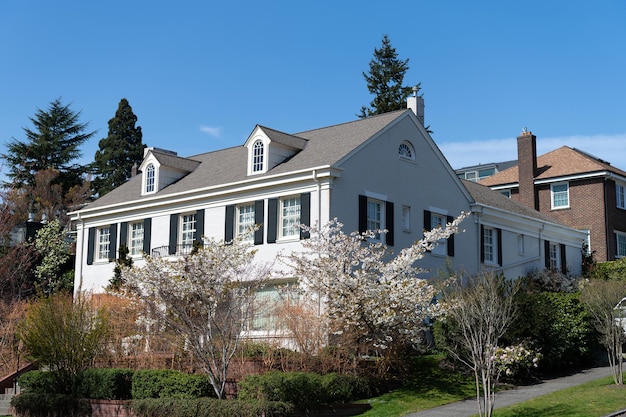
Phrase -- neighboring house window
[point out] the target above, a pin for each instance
(619, 194)
(258, 155)
(485, 173)
(104, 243)
(560, 195)
(406, 218)
(621, 244)
(187, 229)
(506, 193)
(150, 178)
(289, 217)
(136, 239)
(405, 150)
(245, 221)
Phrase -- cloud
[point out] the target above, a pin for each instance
(610, 148)
(211, 131)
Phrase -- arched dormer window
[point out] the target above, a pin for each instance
(258, 154)
(405, 151)
(150, 178)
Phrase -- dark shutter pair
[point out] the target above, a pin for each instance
(389, 219)
(562, 252)
(229, 229)
(91, 243)
(147, 233)
(498, 244)
(272, 217)
(428, 226)
(197, 237)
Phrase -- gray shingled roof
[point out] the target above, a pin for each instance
(322, 147)
(488, 197)
(175, 161)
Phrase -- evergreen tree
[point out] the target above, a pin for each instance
(118, 152)
(53, 144)
(385, 79)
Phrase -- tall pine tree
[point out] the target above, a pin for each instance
(385, 79)
(54, 143)
(118, 152)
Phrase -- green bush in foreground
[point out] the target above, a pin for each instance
(34, 404)
(106, 383)
(162, 383)
(43, 382)
(208, 407)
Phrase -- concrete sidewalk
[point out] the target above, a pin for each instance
(516, 395)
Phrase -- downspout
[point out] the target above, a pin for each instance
(79, 270)
(319, 198)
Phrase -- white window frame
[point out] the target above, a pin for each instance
(258, 156)
(406, 151)
(289, 217)
(556, 194)
(438, 219)
(490, 247)
(471, 176)
(187, 229)
(375, 215)
(245, 221)
(553, 256)
(103, 243)
(520, 245)
(150, 176)
(406, 218)
(620, 236)
(135, 239)
(620, 195)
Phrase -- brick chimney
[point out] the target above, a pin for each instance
(527, 168)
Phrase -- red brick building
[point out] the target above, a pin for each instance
(574, 187)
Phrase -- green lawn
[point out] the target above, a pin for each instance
(429, 386)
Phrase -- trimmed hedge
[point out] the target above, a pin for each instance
(208, 407)
(303, 389)
(106, 383)
(161, 383)
(35, 404)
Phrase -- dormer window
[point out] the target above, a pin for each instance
(258, 154)
(405, 151)
(150, 178)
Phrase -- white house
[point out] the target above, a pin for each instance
(380, 172)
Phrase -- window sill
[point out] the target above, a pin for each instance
(560, 208)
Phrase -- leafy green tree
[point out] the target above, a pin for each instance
(384, 80)
(118, 152)
(53, 144)
(64, 335)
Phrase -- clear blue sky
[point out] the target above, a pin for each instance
(201, 74)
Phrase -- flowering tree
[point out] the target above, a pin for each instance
(481, 310)
(54, 251)
(205, 297)
(362, 290)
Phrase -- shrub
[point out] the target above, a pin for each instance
(106, 383)
(38, 381)
(159, 383)
(208, 407)
(35, 404)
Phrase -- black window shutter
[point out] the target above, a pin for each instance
(199, 226)
(147, 235)
(305, 214)
(450, 219)
(546, 250)
(229, 227)
(91, 243)
(124, 234)
(113, 242)
(427, 221)
(173, 233)
(499, 237)
(389, 237)
(259, 208)
(563, 260)
(272, 220)
(362, 213)
(482, 244)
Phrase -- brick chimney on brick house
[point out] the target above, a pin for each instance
(527, 168)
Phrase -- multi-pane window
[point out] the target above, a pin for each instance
(245, 221)
(258, 151)
(187, 229)
(621, 244)
(619, 195)
(290, 217)
(406, 218)
(489, 245)
(554, 256)
(374, 216)
(560, 195)
(405, 151)
(438, 221)
(104, 243)
(136, 239)
(150, 178)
